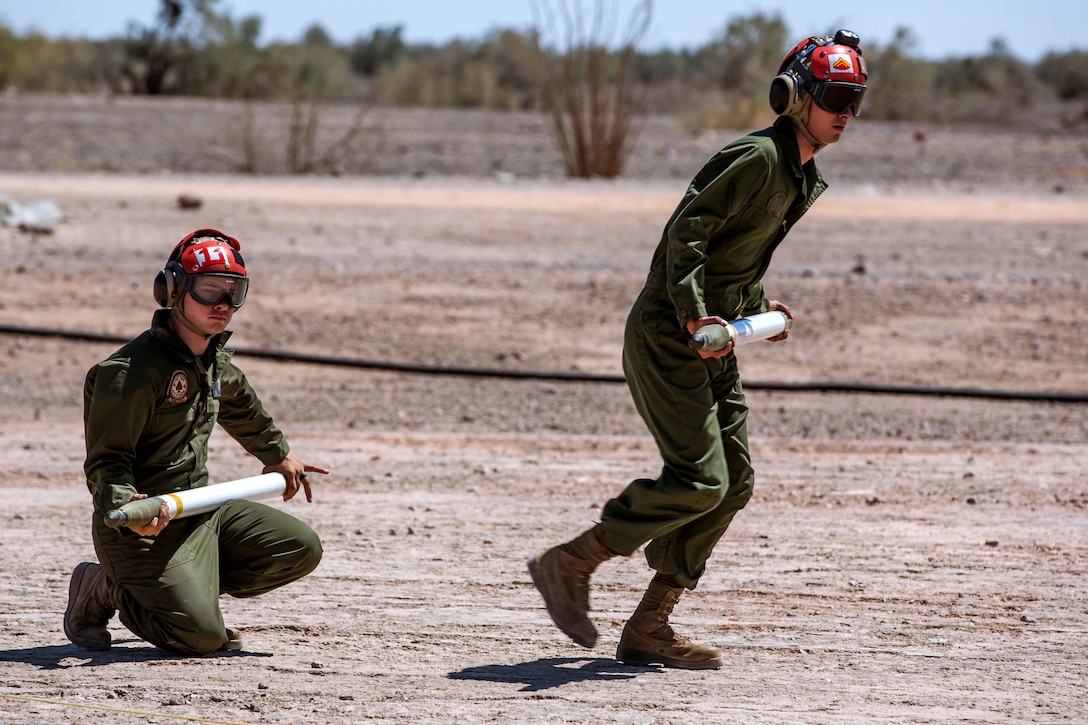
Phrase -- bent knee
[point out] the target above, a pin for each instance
(202, 642)
(308, 555)
(299, 561)
(741, 493)
(188, 642)
(732, 495)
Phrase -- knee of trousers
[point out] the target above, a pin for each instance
(202, 642)
(296, 562)
(702, 499)
(732, 496)
(192, 633)
(169, 636)
(308, 555)
(729, 501)
(739, 494)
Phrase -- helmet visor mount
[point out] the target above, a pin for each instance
(211, 289)
(837, 97)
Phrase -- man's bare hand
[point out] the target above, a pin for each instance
(784, 308)
(694, 325)
(296, 474)
(156, 524)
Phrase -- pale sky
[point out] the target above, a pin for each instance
(943, 28)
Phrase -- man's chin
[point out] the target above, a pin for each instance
(214, 328)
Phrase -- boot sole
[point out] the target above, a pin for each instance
(647, 659)
(73, 590)
(234, 641)
(542, 587)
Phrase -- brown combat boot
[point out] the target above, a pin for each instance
(234, 640)
(561, 574)
(90, 606)
(648, 639)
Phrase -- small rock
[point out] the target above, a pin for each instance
(36, 228)
(189, 201)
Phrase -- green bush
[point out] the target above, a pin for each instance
(1066, 73)
(53, 66)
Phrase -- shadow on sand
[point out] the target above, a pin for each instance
(56, 657)
(544, 674)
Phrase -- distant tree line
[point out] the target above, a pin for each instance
(193, 49)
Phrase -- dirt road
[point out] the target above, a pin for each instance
(906, 559)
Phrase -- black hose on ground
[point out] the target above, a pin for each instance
(866, 388)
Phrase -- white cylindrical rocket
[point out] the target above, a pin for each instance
(196, 500)
(747, 329)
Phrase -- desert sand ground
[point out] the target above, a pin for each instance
(906, 558)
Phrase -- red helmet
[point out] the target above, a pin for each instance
(830, 70)
(209, 266)
(211, 256)
(182, 251)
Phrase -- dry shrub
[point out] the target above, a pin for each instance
(591, 92)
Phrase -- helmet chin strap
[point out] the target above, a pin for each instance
(800, 120)
(179, 314)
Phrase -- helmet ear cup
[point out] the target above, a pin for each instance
(785, 94)
(166, 285)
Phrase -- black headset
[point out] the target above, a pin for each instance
(166, 288)
(785, 94)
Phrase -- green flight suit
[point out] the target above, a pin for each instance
(149, 410)
(711, 259)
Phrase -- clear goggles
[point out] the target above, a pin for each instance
(836, 97)
(210, 289)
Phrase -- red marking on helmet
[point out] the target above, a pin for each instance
(842, 63)
(211, 256)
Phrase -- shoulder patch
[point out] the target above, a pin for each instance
(776, 203)
(178, 391)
